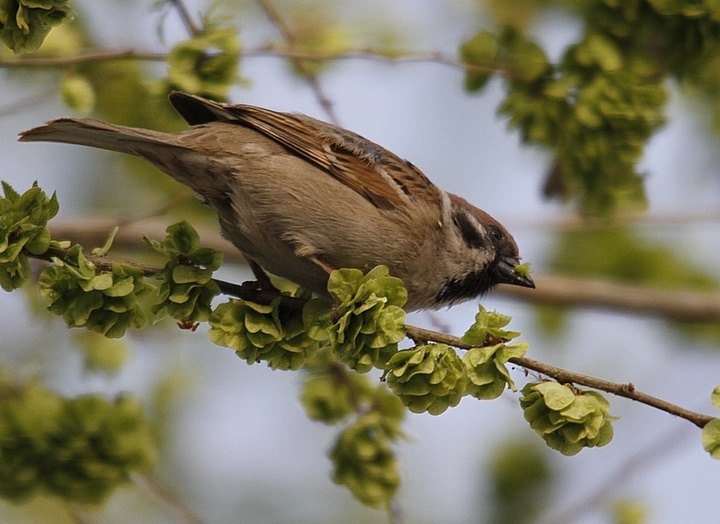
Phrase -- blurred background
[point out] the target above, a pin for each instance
(236, 443)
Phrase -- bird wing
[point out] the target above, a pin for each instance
(383, 178)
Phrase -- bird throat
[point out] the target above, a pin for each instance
(470, 286)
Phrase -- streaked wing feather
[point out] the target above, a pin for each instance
(380, 176)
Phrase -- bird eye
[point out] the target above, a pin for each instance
(496, 234)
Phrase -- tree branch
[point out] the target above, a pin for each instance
(187, 20)
(152, 485)
(83, 58)
(563, 290)
(559, 290)
(570, 377)
(249, 291)
(367, 54)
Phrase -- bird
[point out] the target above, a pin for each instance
(300, 198)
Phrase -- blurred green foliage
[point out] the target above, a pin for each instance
(205, 65)
(597, 107)
(364, 460)
(78, 448)
(624, 255)
(520, 481)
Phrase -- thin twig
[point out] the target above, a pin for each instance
(247, 291)
(595, 498)
(366, 54)
(565, 376)
(33, 100)
(83, 58)
(187, 20)
(580, 223)
(151, 484)
(163, 209)
(302, 65)
(378, 55)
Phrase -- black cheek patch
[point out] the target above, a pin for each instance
(469, 232)
(467, 287)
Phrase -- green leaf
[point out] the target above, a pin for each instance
(557, 396)
(102, 251)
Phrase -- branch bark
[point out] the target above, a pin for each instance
(558, 290)
(249, 291)
(269, 50)
(565, 376)
(563, 290)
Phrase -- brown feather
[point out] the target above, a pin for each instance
(380, 176)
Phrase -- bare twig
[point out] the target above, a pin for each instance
(595, 498)
(376, 55)
(84, 58)
(367, 54)
(691, 306)
(33, 100)
(187, 20)
(151, 484)
(302, 65)
(570, 377)
(579, 223)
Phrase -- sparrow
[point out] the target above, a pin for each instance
(300, 197)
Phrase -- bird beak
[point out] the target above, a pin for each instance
(505, 271)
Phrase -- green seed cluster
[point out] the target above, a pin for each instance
(364, 461)
(594, 111)
(267, 333)
(187, 288)
(366, 322)
(487, 376)
(433, 378)
(103, 302)
(23, 229)
(711, 431)
(567, 419)
(428, 378)
(80, 449)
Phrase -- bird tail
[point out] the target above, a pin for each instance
(94, 133)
